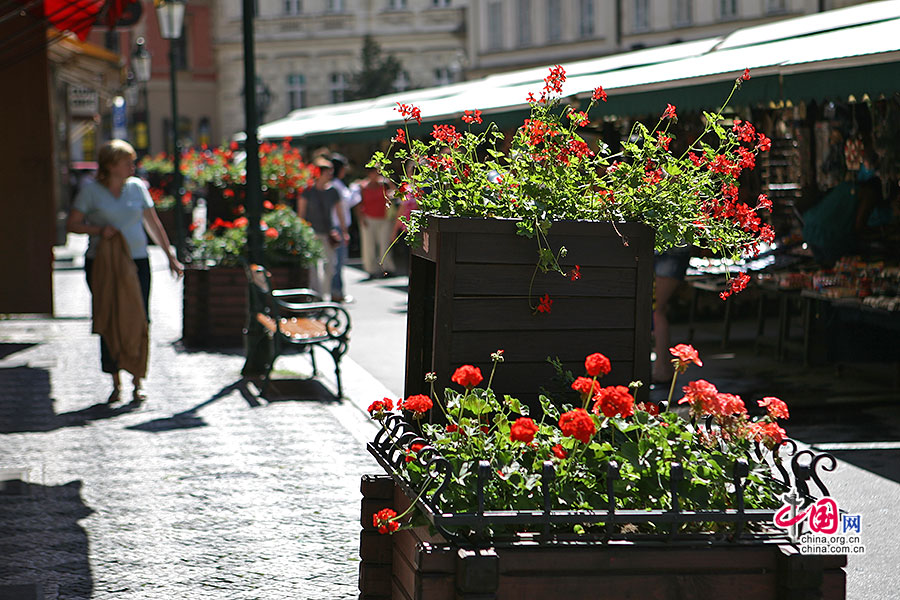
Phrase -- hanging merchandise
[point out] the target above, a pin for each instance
(853, 153)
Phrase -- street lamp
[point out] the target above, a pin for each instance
(140, 66)
(170, 15)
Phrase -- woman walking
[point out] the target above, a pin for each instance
(115, 210)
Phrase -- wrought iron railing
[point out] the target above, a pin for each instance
(397, 434)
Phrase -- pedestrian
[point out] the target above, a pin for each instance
(117, 212)
(349, 199)
(374, 215)
(315, 205)
(670, 268)
(408, 203)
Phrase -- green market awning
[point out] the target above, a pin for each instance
(827, 55)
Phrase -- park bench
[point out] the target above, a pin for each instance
(295, 319)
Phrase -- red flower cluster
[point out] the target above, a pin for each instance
(663, 140)
(614, 400)
(651, 408)
(776, 408)
(685, 354)
(585, 386)
(545, 305)
(669, 113)
(467, 376)
(400, 138)
(579, 117)
(738, 284)
(419, 404)
(575, 274)
(599, 94)
(384, 521)
(380, 406)
(702, 396)
(523, 430)
(768, 434)
(597, 365)
(472, 116)
(446, 134)
(578, 424)
(408, 111)
(554, 80)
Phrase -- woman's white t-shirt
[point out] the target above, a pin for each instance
(125, 213)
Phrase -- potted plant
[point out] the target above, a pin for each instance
(221, 172)
(604, 492)
(215, 286)
(583, 210)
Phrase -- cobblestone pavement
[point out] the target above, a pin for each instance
(198, 493)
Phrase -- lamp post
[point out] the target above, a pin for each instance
(170, 14)
(140, 66)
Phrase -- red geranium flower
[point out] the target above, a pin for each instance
(776, 408)
(669, 113)
(731, 404)
(585, 386)
(614, 400)
(545, 304)
(575, 274)
(578, 424)
(651, 408)
(599, 94)
(746, 75)
(768, 434)
(523, 430)
(272, 233)
(418, 404)
(413, 450)
(467, 376)
(702, 396)
(559, 451)
(597, 365)
(408, 111)
(472, 116)
(400, 138)
(685, 354)
(384, 521)
(380, 406)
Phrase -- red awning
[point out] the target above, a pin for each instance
(77, 16)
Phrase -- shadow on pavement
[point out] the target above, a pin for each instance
(9, 348)
(43, 548)
(189, 419)
(26, 404)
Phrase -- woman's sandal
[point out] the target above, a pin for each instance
(138, 396)
(113, 396)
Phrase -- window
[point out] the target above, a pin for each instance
(494, 26)
(296, 91)
(335, 6)
(293, 7)
(728, 9)
(524, 23)
(775, 6)
(402, 82)
(338, 87)
(641, 15)
(586, 18)
(440, 3)
(684, 12)
(554, 24)
(396, 4)
(442, 76)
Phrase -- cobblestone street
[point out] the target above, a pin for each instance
(200, 492)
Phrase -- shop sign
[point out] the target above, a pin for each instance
(83, 102)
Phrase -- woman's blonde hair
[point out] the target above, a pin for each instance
(110, 153)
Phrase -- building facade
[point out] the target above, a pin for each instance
(513, 34)
(308, 50)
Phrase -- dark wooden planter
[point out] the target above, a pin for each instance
(215, 303)
(469, 296)
(167, 218)
(411, 565)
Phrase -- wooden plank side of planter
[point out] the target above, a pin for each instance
(504, 280)
(638, 586)
(584, 250)
(469, 346)
(495, 314)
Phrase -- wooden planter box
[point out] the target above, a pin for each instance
(411, 565)
(215, 303)
(469, 296)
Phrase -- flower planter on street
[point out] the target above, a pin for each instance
(470, 293)
(215, 303)
(411, 564)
